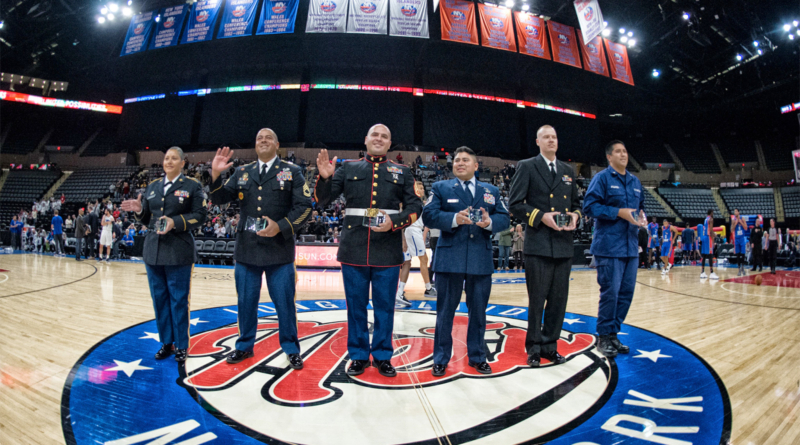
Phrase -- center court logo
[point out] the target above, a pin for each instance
(117, 391)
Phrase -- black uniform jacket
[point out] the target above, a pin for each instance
(535, 192)
(283, 196)
(372, 182)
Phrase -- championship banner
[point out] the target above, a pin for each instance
(594, 56)
(458, 21)
(531, 35)
(237, 20)
(590, 18)
(327, 16)
(139, 32)
(169, 28)
(496, 27)
(201, 21)
(368, 17)
(618, 62)
(565, 48)
(408, 18)
(278, 17)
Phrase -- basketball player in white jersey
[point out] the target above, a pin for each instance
(414, 246)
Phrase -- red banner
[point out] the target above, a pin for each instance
(619, 63)
(594, 56)
(531, 35)
(564, 44)
(458, 21)
(496, 27)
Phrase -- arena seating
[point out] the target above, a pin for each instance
(648, 151)
(791, 201)
(23, 139)
(737, 150)
(751, 201)
(103, 144)
(90, 184)
(21, 189)
(778, 152)
(696, 155)
(654, 208)
(690, 203)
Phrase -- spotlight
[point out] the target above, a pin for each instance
(795, 23)
(798, 32)
(126, 11)
(525, 7)
(686, 16)
(787, 27)
(605, 24)
(606, 32)
(656, 73)
(510, 4)
(158, 18)
(2, 24)
(631, 43)
(759, 52)
(101, 20)
(110, 17)
(630, 33)
(113, 7)
(755, 43)
(624, 39)
(104, 10)
(739, 57)
(791, 36)
(622, 30)
(130, 2)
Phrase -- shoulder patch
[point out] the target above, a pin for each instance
(306, 190)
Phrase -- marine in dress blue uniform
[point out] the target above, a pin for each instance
(465, 257)
(169, 256)
(612, 196)
(370, 254)
(275, 190)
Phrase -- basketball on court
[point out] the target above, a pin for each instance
(758, 280)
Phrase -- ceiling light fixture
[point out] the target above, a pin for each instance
(624, 39)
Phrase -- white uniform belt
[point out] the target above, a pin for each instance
(363, 212)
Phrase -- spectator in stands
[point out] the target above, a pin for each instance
(63, 199)
(399, 158)
(69, 223)
(449, 162)
(774, 236)
(112, 189)
(143, 230)
(505, 242)
(518, 247)
(39, 240)
(756, 246)
(56, 227)
(55, 204)
(219, 230)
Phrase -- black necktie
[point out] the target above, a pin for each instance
(553, 170)
(263, 172)
(468, 189)
(167, 186)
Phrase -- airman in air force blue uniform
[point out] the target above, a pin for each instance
(612, 197)
(464, 258)
(272, 190)
(169, 255)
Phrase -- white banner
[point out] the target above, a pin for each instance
(367, 17)
(590, 18)
(408, 18)
(327, 16)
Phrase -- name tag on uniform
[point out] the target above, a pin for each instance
(488, 198)
(452, 200)
(614, 186)
(566, 179)
(285, 176)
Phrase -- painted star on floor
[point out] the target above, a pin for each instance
(571, 321)
(151, 335)
(652, 355)
(194, 321)
(128, 367)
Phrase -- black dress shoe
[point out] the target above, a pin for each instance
(554, 357)
(164, 352)
(534, 360)
(180, 355)
(438, 370)
(357, 367)
(295, 361)
(622, 349)
(385, 367)
(606, 347)
(238, 356)
(481, 367)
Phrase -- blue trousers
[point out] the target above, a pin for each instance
(170, 287)
(281, 279)
(617, 279)
(449, 287)
(357, 281)
(502, 260)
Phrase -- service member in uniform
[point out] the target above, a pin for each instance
(370, 244)
(275, 193)
(543, 189)
(465, 256)
(169, 254)
(615, 199)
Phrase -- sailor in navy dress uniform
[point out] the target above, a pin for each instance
(273, 190)
(371, 186)
(465, 259)
(613, 196)
(169, 255)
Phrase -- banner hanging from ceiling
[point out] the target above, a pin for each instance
(327, 16)
(168, 29)
(408, 18)
(278, 17)
(139, 32)
(496, 28)
(237, 19)
(201, 21)
(618, 62)
(590, 19)
(531, 35)
(562, 41)
(368, 17)
(458, 21)
(594, 56)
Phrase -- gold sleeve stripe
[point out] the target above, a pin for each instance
(302, 217)
(533, 217)
(579, 213)
(184, 222)
(290, 225)
(226, 183)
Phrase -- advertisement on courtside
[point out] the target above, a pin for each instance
(168, 29)
(590, 19)
(408, 18)
(458, 21)
(368, 17)
(327, 16)
(237, 19)
(278, 17)
(201, 21)
(619, 63)
(594, 56)
(565, 47)
(139, 32)
(531, 35)
(496, 27)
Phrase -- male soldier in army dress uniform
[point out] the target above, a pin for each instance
(275, 201)
(371, 244)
